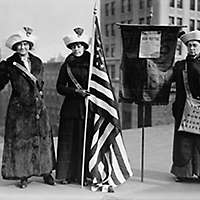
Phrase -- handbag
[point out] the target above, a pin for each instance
(190, 121)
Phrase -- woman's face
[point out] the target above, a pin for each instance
(23, 48)
(77, 49)
(193, 48)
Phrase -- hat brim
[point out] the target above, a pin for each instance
(191, 36)
(83, 43)
(14, 46)
(19, 37)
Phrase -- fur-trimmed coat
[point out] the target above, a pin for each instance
(28, 143)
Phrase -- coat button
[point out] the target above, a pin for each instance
(41, 93)
(37, 116)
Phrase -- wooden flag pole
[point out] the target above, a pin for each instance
(87, 101)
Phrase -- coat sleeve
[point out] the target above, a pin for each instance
(4, 75)
(62, 83)
(175, 105)
(40, 78)
(175, 68)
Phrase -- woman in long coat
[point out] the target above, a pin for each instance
(28, 144)
(72, 114)
(186, 148)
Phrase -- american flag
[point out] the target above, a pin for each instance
(108, 164)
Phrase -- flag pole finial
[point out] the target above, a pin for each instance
(95, 8)
(95, 11)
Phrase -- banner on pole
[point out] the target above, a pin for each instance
(147, 59)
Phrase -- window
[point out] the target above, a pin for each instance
(113, 29)
(179, 21)
(141, 4)
(112, 71)
(129, 5)
(149, 20)
(122, 5)
(171, 20)
(149, 3)
(126, 119)
(107, 9)
(192, 4)
(106, 50)
(179, 3)
(192, 24)
(130, 21)
(113, 8)
(198, 5)
(141, 20)
(112, 50)
(171, 3)
(198, 25)
(107, 30)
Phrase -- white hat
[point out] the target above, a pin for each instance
(193, 35)
(76, 36)
(24, 35)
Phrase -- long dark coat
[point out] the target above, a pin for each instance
(186, 148)
(28, 144)
(72, 118)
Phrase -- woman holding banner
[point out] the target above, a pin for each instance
(28, 143)
(186, 149)
(72, 84)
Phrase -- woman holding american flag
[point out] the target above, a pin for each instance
(72, 84)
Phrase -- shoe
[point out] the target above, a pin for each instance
(111, 189)
(85, 183)
(48, 179)
(183, 179)
(106, 188)
(65, 182)
(23, 183)
(178, 179)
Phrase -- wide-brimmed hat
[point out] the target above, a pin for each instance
(77, 36)
(193, 35)
(20, 36)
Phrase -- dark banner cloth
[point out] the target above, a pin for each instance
(147, 80)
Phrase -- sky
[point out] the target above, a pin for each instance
(50, 20)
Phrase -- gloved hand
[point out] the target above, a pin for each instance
(83, 93)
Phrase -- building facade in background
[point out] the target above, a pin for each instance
(158, 12)
(155, 12)
(53, 100)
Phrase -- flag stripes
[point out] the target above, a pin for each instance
(108, 163)
(101, 95)
(97, 108)
(102, 82)
(104, 105)
(103, 133)
(116, 167)
(98, 122)
(100, 73)
(102, 89)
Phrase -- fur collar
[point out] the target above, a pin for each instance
(35, 62)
